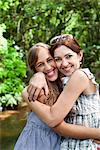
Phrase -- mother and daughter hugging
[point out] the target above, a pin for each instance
(63, 99)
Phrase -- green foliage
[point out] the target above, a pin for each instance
(9, 100)
(12, 71)
(32, 21)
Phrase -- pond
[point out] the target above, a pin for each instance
(11, 124)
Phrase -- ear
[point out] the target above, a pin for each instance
(80, 55)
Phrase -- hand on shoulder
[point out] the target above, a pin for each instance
(36, 84)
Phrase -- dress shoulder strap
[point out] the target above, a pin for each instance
(89, 75)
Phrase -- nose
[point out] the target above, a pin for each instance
(64, 63)
(47, 66)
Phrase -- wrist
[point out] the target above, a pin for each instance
(36, 76)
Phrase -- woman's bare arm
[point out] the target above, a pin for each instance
(71, 130)
(55, 114)
(77, 131)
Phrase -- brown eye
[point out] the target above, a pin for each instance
(39, 65)
(50, 60)
(68, 56)
(58, 59)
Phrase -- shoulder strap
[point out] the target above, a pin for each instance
(89, 75)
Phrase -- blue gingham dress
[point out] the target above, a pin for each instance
(36, 135)
(86, 111)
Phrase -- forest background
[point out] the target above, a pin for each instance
(26, 22)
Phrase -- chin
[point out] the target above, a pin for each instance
(52, 78)
(67, 74)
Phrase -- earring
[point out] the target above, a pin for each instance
(80, 62)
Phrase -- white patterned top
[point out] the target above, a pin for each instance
(86, 111)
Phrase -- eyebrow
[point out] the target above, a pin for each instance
(38, 63)
(50, 57)
(67, 54)
(64, 55)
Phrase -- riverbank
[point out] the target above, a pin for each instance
(11, 124)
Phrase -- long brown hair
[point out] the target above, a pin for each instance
(33, 57)
(67, 40)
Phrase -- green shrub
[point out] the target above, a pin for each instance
(12, 72)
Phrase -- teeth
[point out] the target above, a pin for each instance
(50, 73)
(67, 69)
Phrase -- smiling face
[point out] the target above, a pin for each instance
(67, 60)
(46, 64)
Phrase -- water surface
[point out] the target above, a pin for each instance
(11, 124)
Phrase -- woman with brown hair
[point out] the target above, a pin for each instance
(78, 100)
